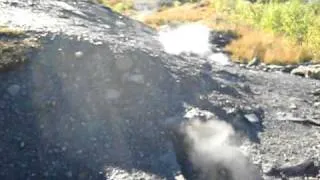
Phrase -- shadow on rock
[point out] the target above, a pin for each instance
(222, 38)
(196, 89)
(81, 109)
(307, 168)
(202, 164)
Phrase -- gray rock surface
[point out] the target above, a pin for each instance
(310, 71)
(94, 97)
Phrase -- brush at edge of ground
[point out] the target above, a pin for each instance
(270, 47)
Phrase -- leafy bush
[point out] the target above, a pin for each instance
(313, 39)
(123, 6)
(118, 5)
(295, 19)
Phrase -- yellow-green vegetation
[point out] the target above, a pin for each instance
(276, 31)
(296, 20)
(14, 48)
(185, 13)
(10, 31)
(122, 6)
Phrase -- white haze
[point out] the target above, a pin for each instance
(191, 38)
(188, 38)
(213, 149)
(219, 58)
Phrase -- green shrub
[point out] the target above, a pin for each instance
(296, 19)
(123, 6)
(118, 5)
(223, 5)
(313, 39)
(271, 17)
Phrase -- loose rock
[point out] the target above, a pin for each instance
(14, 89)
(254, 62)
(310, 71)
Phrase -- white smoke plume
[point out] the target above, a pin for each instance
(213, 150)
(191, 38)
(214, 154)
(188, 38)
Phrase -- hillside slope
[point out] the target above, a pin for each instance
(92, 101)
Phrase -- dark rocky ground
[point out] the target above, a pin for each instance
(91, 102)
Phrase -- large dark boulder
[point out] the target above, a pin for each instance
(89, 98)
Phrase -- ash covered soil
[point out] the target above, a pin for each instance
(91, 101)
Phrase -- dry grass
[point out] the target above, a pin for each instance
(10, 31)
(122, 6)
(185, 13)
(270, 48)
(14, 47)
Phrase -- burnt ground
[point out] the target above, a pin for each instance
(89, 104)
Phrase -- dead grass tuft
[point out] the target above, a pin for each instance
(184, 13)
(14, 51)
(270, 48)
(5, 31)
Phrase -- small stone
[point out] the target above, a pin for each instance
(316, 92)
(124, 64)
(141, 154)
(78, 54)
(79, 151)
(112, 94)
(293, 106)
(252, 118)
(179, 177)
(2, 104)
(69, 174)
(288, 68)
(64, 148)
(98, 43)
(254, 62)
(13, 89)
(275, 67)
(120, 24)
(137, 78)
(22, 144)
(281, 114)
(312, 71)
(316, 104)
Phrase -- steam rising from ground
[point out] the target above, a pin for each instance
(214, 154)
(189, 38)
(212, 151)
(193, 38)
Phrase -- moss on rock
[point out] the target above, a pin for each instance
(15, 47)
